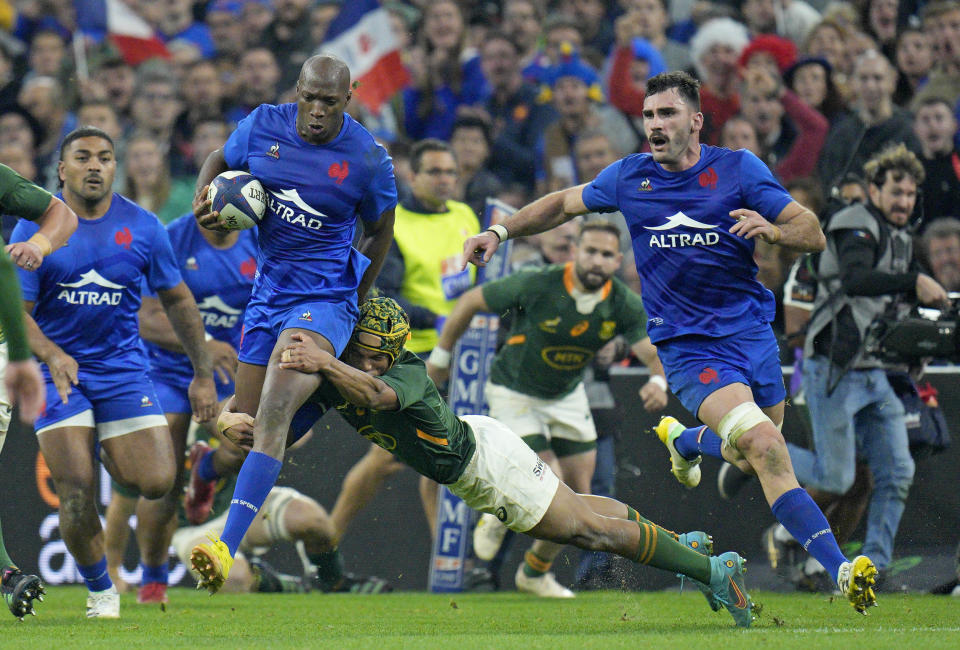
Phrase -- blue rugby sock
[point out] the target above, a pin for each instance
(95, 575)
(254, 482)
(150, 574)
(205, 468)
(698, 440)
(803, 519)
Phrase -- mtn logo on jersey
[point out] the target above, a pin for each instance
(300, 214)
(73, 295)
(217, 313)
(679, 240)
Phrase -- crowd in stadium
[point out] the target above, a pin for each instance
(514, 99)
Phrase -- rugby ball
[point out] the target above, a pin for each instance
(239, 198)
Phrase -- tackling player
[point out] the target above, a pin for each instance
(561, 316)
(322, 171)
(383, 391)
(82, 323)
(22, 384)
(693, 211)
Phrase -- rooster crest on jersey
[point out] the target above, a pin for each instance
(383, 326)
(239, 198)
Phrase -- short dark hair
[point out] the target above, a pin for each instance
(84, 132)
(686, 85)
(423, 146)
(931, 100)
(599, 225)
(473, 122)
(499, 35)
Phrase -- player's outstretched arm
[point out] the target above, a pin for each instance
(374, 244)
(57, 223)
(654, 392)
(543, 214)
(356, 386)
(471, 302)
(181, 309)
(796, 228)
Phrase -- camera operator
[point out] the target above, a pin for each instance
(868, 266)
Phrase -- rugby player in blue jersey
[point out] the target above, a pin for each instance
(323, 172)
(218, 268)
(81, 321)
(693, 212)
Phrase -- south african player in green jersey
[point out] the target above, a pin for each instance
(384, 392)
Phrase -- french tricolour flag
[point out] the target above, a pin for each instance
(361, 36)
(114, 20)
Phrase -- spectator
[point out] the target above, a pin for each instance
(940, 247)
(20, 128)
(471, 145)
(9, 77)
(557, 29)
(227, 29)
(791, 133)
(795, 20)
(941, 23)
(175, 23)
(156, 104)
(518, 118)
(202, 98)
(914, 59)
(258, 77)
(595, 27)
(322, 14)
(935, 126)
(257, 17)
(740, 133)
(811, 79)
(208, 134)
(874, 123)
(648, 20)
(118, 78)
(289, 33)
(48, 54)
(715, 49)
(578, 100)
(148, 181)
(826, 41)
(449, 78)
(880, 23)
(521, 23)
(770, 52)
(42, 97)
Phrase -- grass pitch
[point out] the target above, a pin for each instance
(502, 620)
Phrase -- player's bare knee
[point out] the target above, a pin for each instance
(76, 502)
(156, 483)
(305, 520)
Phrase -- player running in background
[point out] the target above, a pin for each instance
(82, 323)
(20, 381)
(693, 211)
(382, 390)
(322, 171)
(218, 268)
(561, 316)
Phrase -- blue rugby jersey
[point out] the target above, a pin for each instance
(87, 293)
(697, 277)
(220, 280)
(314, 195)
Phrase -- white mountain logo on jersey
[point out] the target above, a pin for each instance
(680, 220)
(680, 240)
(290, 215)
(73, 296)
(217, 313)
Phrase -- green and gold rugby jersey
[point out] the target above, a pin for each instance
(550, 342)
(424, 433)
(19, 197)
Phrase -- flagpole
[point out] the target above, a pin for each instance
(80, 56)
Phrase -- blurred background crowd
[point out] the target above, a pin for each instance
(533, 95)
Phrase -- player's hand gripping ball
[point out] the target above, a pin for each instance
(239, 198)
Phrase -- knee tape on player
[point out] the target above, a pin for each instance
(739, 420)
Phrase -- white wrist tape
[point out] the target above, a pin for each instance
(658, 380)
(500, 232)
(439, 357)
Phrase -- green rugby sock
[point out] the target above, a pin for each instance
(329, 567)
(535, 566)
(4, 558)
(659, 548)
(633, 515)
